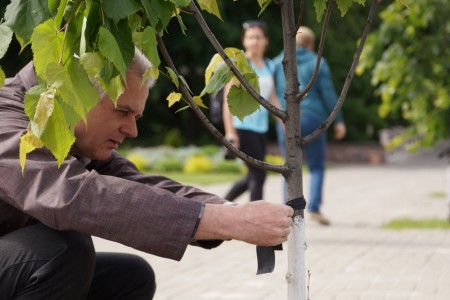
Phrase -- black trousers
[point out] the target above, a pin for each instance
(37, 262)
(253, 144)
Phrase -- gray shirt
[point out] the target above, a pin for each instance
(109, 199)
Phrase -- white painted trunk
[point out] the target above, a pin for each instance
(296, 276)
(448, 189)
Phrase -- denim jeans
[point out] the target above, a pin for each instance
(315, 159)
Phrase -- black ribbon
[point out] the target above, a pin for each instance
(266, 255)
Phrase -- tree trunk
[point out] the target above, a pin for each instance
(294, 180)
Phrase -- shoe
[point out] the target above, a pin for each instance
(318, 217)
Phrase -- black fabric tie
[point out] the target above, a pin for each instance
(266, 255)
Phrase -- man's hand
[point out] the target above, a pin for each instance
(257, 222)
(339, 131)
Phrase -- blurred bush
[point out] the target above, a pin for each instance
(228, 166)
(198, 164)
(274, 159)
(167, 165)
(140, 161)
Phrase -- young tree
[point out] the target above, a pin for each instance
(77, 42)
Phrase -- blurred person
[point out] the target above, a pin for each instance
(250, 134)
(315, 108)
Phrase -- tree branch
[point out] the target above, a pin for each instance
(300, 15)
(283, 169)
(323, 34)
(348, 80)
(281, 114)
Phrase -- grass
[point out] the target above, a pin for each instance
(438, 195)
(202, 178)
(407, 223)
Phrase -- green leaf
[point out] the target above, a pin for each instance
(108, 46)
(320, 6)
(210, 6)
(110, 81)
(344, 5)
(124, 38)
(31, 100)
(173, 98)
(263, 4)
(57, 136)
(159, 13)
(146, 42)
(185, 83)
(44, 110)
(60, 14)
(90, 26)
(182, 26)
(5, 39)
(211, 67)
(46, 44)
(181, 3)
(74, 86)
(182, 109)
(173, 77)
(118, 10)
(241, 103)
(22, 16)
(53, 6)
(2, 77)
(92, 63)
(28, 142)
(199, 101)
(221, 76)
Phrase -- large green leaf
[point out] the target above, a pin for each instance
(241, 103)
(91, 25)
(74, 86)
(210, 6)
(92, 63)
(46, 45)
(5, 38)
(221, 76)
(124, 38)
(57, 136)
(60, 12)
(108, 46)
(118, 10)
(159, 13)
(22, 16)
(146, 42)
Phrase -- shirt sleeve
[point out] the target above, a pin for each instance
(152, 214)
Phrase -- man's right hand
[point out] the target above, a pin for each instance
(259, 222)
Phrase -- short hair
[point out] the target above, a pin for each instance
(305, 37)
(139, 65)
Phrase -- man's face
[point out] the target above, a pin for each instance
(108, 125)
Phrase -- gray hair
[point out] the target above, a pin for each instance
(139, 66)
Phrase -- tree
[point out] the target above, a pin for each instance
(76, 42)
(409, 61)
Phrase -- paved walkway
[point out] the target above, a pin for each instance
(352, 259)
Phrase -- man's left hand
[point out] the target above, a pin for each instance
(339, 131)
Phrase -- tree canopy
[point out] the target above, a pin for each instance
(409, 61)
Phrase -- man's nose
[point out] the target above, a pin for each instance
(129, 128)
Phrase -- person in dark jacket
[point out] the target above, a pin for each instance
(315, 108)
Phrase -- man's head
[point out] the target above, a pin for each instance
(108, 125)
(305, 38)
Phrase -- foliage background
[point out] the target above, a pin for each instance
(192, 53)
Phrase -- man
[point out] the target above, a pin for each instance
(47, 215)
(315, 108)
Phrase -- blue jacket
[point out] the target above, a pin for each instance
(322, 97)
